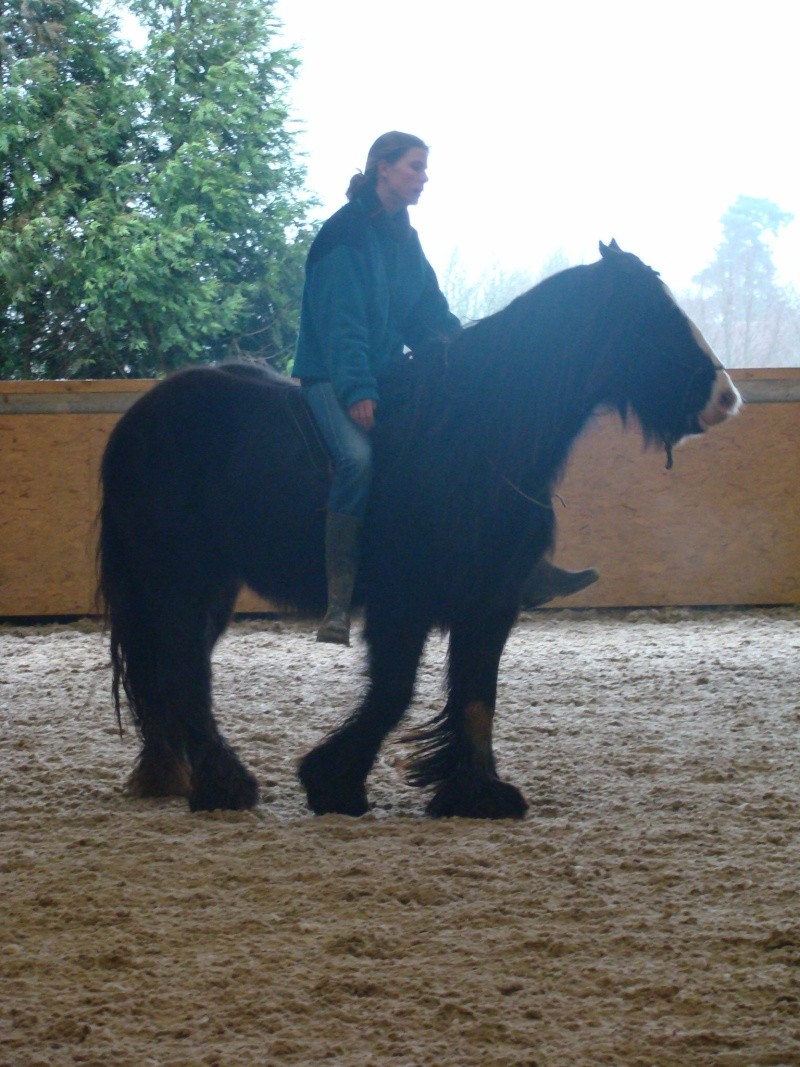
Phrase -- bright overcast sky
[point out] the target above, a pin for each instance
(556, 124)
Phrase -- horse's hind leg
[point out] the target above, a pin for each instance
(175, 718)
(456, 755)
(161, 768)
(218, 777)
(334, 774)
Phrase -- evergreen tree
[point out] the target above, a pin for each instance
(66, 124)
(188, 241)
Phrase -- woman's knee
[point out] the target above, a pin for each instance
(351, 482)
(355, 469)
(358, 460)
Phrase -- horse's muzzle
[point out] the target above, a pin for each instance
(725, 401)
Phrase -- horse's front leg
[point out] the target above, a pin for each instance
(334, 774)
(456, 754)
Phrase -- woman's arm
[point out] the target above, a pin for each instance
(430, 320)
(337, 301)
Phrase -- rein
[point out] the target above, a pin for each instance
(531, 499)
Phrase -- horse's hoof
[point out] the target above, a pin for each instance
(322, 802)
(230, 788)
(336, 798)
(218, 798)
(331, 794)
(477, 799)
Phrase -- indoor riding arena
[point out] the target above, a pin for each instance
(645, 913)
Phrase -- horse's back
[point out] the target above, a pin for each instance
(212, 473)
(196, 423)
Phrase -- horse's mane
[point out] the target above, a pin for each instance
(530, 375)
(554, 318)
(523, 378)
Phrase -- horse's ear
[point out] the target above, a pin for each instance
(609, 248)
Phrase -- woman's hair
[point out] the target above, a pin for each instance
(389, 148)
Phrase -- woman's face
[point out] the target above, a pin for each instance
(399, 184)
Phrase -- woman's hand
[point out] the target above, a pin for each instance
(363, 414)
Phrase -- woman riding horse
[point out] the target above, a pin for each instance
(370, 295)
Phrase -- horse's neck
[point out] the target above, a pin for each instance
(527, 440)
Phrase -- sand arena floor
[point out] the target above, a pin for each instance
(647, 912)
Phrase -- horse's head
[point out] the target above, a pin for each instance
(675, 383)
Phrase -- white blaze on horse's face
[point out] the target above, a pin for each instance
(725, 399)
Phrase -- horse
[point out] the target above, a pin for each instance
(214, 479)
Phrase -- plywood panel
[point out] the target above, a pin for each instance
(722, 527)
(47, 507)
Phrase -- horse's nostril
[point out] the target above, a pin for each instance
(727, 400)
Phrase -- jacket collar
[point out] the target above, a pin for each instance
(398, 224)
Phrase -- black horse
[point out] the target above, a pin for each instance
(213, 479)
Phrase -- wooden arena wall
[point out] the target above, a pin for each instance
(722, 527)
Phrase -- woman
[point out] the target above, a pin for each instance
(370, 294)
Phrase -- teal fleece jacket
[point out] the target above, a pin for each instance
(369, 292)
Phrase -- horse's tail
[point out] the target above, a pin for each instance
(116, 595)
(112, 597)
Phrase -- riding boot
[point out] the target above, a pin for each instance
(342, 551)
(546, 581)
